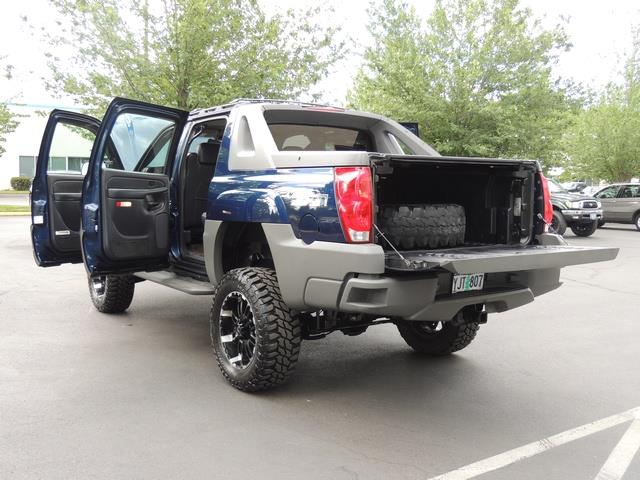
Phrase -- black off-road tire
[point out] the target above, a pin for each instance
(112, 293)
(277, 333)
(584, 229)
(437, 338)
(558, 223)
(424, 226)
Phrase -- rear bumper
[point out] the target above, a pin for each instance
(353, 278)
(428, 298)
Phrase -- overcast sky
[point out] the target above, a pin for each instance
(600, 31)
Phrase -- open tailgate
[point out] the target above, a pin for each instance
(497, 258)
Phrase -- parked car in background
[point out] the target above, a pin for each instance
(591, 190)
(578, 212)
(574, 187)
(620, 203)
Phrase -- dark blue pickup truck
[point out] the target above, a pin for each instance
(299, 220)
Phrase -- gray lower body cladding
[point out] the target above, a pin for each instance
(354, 278)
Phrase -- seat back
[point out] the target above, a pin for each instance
(199, 171)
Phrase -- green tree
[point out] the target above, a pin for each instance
(477, 77)
(8, 124)
(604, 143)
(186, 53)
(8, 120)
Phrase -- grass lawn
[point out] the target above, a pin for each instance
(15, 209)
(15, 192)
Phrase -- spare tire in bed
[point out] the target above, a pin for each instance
(423, 226)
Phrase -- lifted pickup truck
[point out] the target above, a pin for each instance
(299, 220)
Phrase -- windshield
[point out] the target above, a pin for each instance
(555, 187)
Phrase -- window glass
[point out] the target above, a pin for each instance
(57, 164)
(27, 166)
(609, 192)
(69, 142)
(630, 191)
(400, 145)
(139, 143)
(319, 138)
(74, 164)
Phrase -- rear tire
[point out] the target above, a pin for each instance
(584, 229)
(255, 339)
(636, 221)
(424, 226)
(112, 293)
(437, 338)
(558, 223)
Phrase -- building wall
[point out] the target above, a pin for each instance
(25, 142)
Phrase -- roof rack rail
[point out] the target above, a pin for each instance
(239, 101)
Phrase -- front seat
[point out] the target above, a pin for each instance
(199, 172)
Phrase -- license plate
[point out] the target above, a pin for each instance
(467, 282)
(594, 216)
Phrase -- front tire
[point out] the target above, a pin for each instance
(636, 221)
(558, 223)
(255, 339)
(584, 229)
(112, 293)
(437, 338)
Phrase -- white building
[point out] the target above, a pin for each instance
(69, 152)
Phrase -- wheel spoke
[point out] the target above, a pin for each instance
(237, 329)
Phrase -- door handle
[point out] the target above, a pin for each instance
(151, 203)
(134, 192)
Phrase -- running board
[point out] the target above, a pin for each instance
(178, 282)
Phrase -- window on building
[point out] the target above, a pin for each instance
(57, 164)
(27, 166)
(74, 164)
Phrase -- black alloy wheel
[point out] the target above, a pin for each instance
(237, 330)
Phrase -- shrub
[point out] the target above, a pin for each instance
(20, 183)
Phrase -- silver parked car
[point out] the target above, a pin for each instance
(620, 203)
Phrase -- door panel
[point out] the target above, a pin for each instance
(138, 208)
(57, 187)
(125, 201)
(64, 211)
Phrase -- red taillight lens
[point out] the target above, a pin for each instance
(354, 196)
(546, 195)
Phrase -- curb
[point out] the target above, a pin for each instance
(15, 214)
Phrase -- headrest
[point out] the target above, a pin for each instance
(208, 153)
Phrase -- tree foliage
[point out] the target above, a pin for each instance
(477, 76)
(8, 124)
(187, 53)
(8, 120)
(604, 143)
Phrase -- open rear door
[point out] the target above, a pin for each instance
(125, 200)
(57, 187)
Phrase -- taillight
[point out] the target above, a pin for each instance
(547, 213)
(354, 196)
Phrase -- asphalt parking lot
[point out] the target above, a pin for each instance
(86, 395)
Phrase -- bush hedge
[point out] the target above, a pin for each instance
(20, 183)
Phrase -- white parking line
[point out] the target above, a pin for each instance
(627, 444)
(622, 455)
